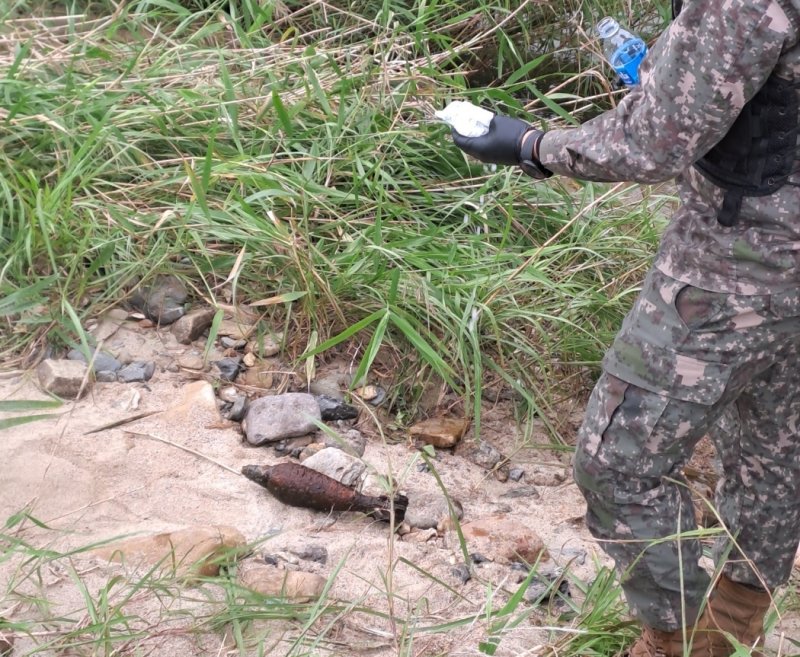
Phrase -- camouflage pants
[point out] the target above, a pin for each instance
(688, 362)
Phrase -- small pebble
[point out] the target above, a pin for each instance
(290, 445)
(542, 589)
(232, 343)
(516, 474)
(335, 409)
(477, 557)
(309, 451)
(136, 372)
(238, 409)
(229, 394)
(375, 395)
(192, 361)
(501, 473)
(228, 368)
(461, 573)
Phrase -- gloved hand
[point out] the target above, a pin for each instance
(503, 144)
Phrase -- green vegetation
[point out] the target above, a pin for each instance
(123, 611)
(286, 151)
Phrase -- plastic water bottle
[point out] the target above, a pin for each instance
(623, 49)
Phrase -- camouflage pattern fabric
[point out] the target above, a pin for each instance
(711, 345)
(686, 362)
(696, 78)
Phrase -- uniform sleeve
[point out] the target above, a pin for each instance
(694, 82)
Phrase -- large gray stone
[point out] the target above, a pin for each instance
(273, 418)
(162, 300)
(336, 464)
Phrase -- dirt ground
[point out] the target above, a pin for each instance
(164, 472)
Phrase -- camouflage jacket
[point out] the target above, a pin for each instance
(694, 81)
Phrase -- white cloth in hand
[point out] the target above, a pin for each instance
(466, 119)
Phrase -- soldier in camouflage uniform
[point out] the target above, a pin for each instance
(714, 332)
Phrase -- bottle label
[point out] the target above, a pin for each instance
(626, 60)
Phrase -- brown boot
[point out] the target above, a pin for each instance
(738, 610)
(656, 643)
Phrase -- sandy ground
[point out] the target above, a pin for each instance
(90, 487)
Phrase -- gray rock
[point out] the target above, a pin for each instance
(237, 410)
(62, 378)
(483, 454)
(335, 409)
(461, 573)
(161, 301)
(102, 362)
(351, 441)
(136, 372)
(522, 491)
(232, 343)
(427, 510)
(337, 464)
(228, 368)
(192, 325)
(317, 553)
(543, 589)
(105, 377)
(516, 474)
(270, 419)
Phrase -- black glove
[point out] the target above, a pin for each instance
(503, 145)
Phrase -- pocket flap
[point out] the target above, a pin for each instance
(668, 373)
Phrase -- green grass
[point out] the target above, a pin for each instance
(262, 149)
(61, 602)
(286, 153)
